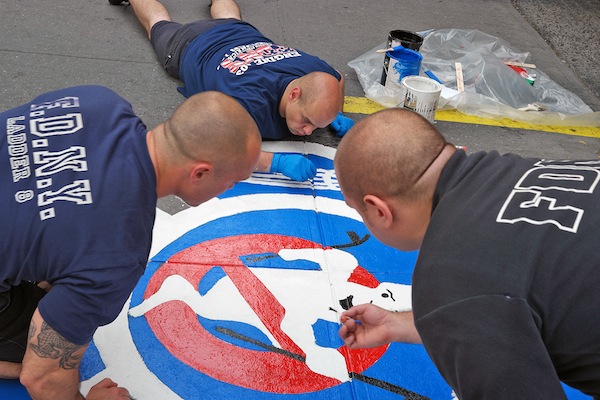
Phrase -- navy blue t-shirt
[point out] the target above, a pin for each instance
(77, 204)
(236, 59)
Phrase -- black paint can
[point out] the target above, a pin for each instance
(410, 40)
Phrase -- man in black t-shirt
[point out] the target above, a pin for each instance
(506, 284)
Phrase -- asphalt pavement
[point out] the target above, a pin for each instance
(572, 29)
(49, 45)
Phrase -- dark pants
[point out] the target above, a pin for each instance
(170, 39)
(17, 306)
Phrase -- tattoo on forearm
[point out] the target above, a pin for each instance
(50, 344)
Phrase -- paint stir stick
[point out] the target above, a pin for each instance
(460, 83)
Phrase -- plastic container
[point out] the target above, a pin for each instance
(421, 95)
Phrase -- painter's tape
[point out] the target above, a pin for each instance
(362, 105)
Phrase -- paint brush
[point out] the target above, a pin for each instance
(520, 64)
(384, 50)
(339, 316)
(432, 76)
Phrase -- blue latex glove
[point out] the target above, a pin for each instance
(295, 166)
(341, 124)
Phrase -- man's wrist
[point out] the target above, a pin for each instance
(403, 328)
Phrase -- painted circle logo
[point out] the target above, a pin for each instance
(279, 369)
(255, 310)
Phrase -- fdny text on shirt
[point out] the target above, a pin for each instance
(43, 165)
(542, 194)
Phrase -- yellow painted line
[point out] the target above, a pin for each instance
(362, 105)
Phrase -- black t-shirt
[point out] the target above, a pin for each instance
(506, 290)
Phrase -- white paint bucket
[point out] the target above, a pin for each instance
(420, 94)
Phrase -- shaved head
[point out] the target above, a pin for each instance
(207, 145)
(210, 126)
(386, 154)
(322, 88)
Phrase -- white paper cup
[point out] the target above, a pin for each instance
(420, 94)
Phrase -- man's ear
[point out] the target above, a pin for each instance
(379, 210)
(200, 170)
(295, 94)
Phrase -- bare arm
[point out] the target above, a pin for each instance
(264, 162)
(342, 89)
(51, 366)
(9, 370)
(367, 325)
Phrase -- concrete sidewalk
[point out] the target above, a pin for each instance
(50, 45)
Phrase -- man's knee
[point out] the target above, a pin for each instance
(225, 9)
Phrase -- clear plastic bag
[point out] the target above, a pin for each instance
(492, 89)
